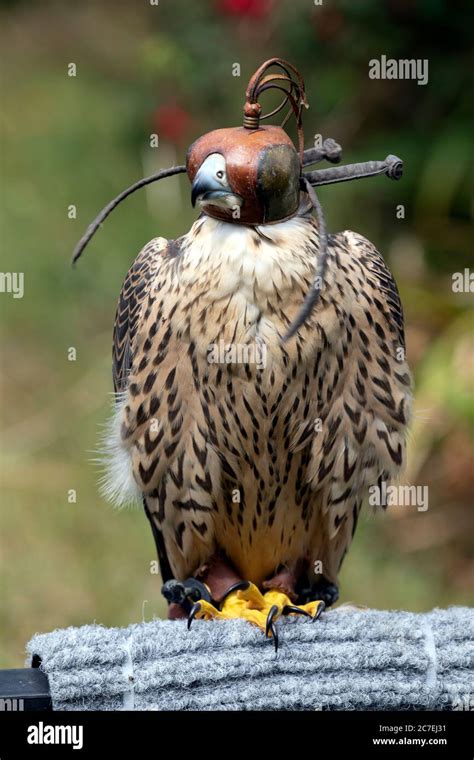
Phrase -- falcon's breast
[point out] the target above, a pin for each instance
(238, 442)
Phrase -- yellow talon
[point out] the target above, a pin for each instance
(206, 611)
(245, 604)
(259, 609)
(313, 608)
(286, 606)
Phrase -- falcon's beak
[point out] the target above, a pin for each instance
(205, 188)
(208, 188)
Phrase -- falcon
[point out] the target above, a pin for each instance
(261, 382)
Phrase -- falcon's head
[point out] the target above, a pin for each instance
(245, 176)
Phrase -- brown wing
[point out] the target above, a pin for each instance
(368, 392)
(133, 295)
(384, 283)
(134, 291)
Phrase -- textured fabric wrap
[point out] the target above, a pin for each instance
(348, 659)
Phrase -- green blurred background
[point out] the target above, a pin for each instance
(167, 69)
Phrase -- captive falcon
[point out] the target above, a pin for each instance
(252, 473)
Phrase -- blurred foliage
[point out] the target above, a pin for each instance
(80, 140)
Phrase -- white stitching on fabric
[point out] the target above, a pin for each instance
(129, 696)
(432, 670)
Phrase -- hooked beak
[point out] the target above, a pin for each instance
(206, 189)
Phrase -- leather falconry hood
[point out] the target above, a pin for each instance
(262, 164)
(265, 171)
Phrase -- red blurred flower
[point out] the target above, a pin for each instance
(250, 8)
(171, 122)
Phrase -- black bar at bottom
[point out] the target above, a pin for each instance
(24, 689)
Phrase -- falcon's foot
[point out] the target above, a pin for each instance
(285, 606)
(281, 604)
(244, 600)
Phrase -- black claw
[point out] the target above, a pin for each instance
(195, 590)
(270, 625)
(239, 586)
(194, 610)
(270, 618)
(320, 609)
(274, 635)
(297, 610)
